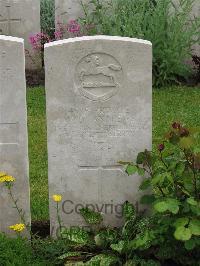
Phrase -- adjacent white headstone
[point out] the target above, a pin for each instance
(66, 10)
(13, 130)
(194, 14)
(99, 111)
(20, 18)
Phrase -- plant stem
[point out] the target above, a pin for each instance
(59, 219)
(20, 212)
(159, 187)
(162, 160)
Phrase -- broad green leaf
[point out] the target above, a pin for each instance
(158, 179)
(77, 235)
(192, 201)
(195, 227)
(173, 205)
(182, 233)
(140, 158)
(142, 240)
(141, 171)
(158, 167)
(196, 209)
(180, 168)
(147, 199)
(69, 255)
(145, 184)
(91, 217)
(190, 244)
(181, 222)
(119, 247)
(131, 169)
(161, 206)
(104, 259)
(169, 177)
(106, 237)
(172, 164)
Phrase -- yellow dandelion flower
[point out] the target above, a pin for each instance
(9, 178)
(17, 227)
(57, 198)
(2, 179)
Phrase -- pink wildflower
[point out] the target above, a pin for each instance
(58, 35)
(73, 26)
(38, 40)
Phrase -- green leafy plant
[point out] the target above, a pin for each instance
(48, 17)
(171, 231)
(109, 246)
(169, 27)
(174, 178)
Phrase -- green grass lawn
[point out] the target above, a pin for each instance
(171, 104)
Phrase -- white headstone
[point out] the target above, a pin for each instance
(20, 18)
(13, 130)
(66, 10)
(99, 111)
(195, 13)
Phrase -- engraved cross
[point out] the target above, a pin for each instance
(9, 20)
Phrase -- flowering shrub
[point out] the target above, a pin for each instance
(38, 40)
(174, 178)
(171, 231)
(169, 27)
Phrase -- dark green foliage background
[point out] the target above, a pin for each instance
(47, 17)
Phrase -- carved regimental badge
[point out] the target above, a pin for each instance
(98, 76)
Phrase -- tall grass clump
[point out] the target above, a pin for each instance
(47, 17)
(171, 29)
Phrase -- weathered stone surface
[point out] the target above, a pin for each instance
(66, 10)
(13, 130)
(21, 18)
(99, 111)
(194, 14)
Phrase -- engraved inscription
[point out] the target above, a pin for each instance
(6, 22)
(101, 168)
(98, 76)
(96, 135)
(9, 133)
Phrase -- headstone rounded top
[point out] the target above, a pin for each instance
(11, 39)
(97, 37)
